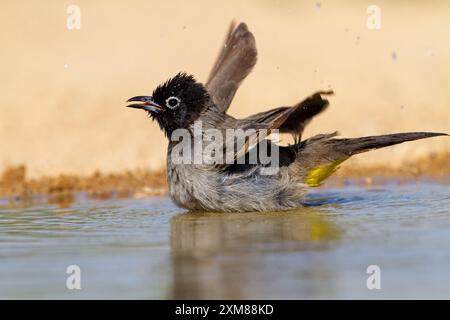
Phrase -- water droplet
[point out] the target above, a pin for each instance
(394, 56)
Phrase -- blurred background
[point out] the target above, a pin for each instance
(62, 101)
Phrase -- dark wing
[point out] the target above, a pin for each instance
(291, 120)
(234, 63)
(294, 119)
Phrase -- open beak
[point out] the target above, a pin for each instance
(147, 104)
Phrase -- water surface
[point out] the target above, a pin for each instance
(150, 249)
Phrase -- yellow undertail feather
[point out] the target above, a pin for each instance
(317, 174)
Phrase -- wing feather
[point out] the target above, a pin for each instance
(235, 61)
(291, 120)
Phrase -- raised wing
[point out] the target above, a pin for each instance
(291, 120)
(235, 61)
(294, 119)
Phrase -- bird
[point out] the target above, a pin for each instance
(240, 185)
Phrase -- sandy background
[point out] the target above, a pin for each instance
(63, 91)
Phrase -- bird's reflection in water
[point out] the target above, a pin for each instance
(251, 255)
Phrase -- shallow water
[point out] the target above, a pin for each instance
(150, 249)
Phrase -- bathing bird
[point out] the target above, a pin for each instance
(247, 170)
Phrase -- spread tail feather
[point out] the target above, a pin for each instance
(319, 156)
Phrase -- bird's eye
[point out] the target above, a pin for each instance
(172, 102)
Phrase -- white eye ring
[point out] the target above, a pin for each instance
(175, 105)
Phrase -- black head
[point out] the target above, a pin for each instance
(174, 104)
